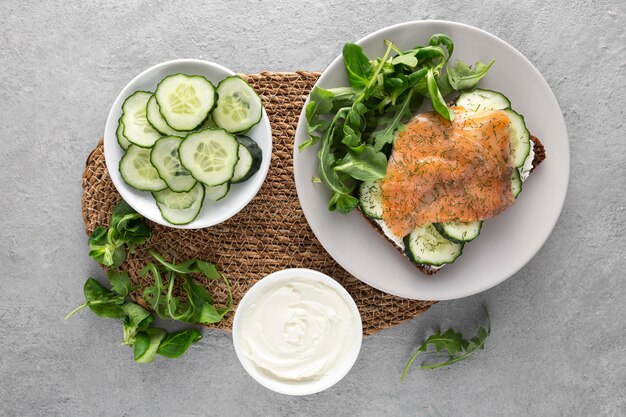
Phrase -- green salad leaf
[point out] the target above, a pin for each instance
(357, 65)
(127, 229)
(355, 126)
(462, 77)
(175, 344)
(197, 307)
(454, 344)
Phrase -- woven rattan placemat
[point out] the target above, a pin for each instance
(270, 234)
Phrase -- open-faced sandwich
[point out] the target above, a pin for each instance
(424, 180)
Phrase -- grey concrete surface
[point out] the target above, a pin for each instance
(559, 325)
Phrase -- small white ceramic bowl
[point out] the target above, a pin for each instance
(304, 387)
(212, 212)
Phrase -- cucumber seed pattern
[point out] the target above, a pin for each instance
(139, 119)
(184, 99)
(172, 162)
(236, 106)
(210, 156)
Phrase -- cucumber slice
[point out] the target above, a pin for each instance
(370, 199)
(459, 232)
(185, 101)
(216, 193)
(516, 182)
(136, 127)
(121, 139)
(180, 208)
(210, 155)
(137, 171)
(164, 157)
(238, 107)
(426, 246)
(153, 114)
(483, 100)
(520, 137)
(250, 157)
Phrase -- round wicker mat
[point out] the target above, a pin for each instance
(270, 234)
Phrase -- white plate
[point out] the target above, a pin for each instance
(507, 242)
(213, 212)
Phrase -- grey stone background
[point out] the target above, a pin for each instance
(559, 326)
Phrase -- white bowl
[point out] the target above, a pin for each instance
(303, 387)
(212, 212)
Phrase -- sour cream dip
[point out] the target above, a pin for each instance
(297, 331)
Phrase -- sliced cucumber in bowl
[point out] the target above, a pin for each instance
(164, 157)
(217, 192)
(210, 155)
(250, 158)
(137, 129)
(180, 208)
(155, 118)
(185, 101)
(138, 172)
(239, 107)
(119, 134)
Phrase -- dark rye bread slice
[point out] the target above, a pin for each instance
(540, 155)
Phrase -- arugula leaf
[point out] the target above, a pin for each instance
(454, 344)
(367, 165)
(442, 39)
(461, 77)
(358, 67)
(198, 307)
(175, 344)
(439, 104)
(392, 122)
(352, 139)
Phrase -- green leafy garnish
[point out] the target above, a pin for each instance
(461, 77)
(454, 344)
(127, 229)
(356, 125)
(108, 246)
(198, 306)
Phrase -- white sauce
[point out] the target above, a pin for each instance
(298, 330)
(528, 163)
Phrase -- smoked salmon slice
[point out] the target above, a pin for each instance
(443, 171)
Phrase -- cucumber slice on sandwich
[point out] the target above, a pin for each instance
(479, 100)
(210, 155)
(180, 208)
(370, 199)
(185, 101)
(164, 157)
(137, 171)
(238, 107)
(426, 246)
(136, 127)
(250, 157)
(458, 231)
(520, 137)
